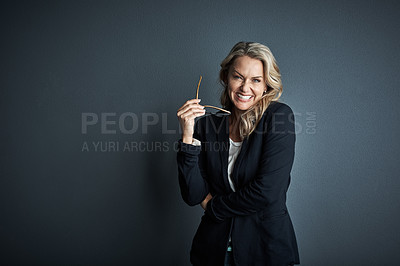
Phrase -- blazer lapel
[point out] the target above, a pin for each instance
(221, 127)
(222, 131)
(235, 170)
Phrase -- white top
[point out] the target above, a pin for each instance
(234, 149)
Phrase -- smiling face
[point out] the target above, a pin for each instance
(246, 82)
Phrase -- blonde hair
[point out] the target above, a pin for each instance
(250, 118)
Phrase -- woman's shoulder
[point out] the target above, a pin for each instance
(277, 114)
(278, 107)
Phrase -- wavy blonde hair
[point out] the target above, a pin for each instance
(250, 118)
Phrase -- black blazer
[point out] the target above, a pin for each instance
(255, 215)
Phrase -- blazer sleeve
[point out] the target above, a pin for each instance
(191, 171)
(273, 176)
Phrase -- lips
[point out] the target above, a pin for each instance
(244, 98)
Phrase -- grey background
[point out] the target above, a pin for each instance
(61, 205)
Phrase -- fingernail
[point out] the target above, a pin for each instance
(199, 100)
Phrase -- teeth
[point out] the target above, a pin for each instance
(244, 97)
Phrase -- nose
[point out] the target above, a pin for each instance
(246, 86)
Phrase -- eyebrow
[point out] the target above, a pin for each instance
(243, 76)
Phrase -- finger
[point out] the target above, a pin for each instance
(190, 108)
(190, 102)
(193, 115)
(185, 107)
(194, 107)
(191, 112)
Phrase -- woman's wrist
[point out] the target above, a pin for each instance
(187, 139)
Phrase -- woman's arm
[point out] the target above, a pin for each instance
(192, 184)
(272, 178)
(192, 171)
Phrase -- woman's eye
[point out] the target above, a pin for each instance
(256, 81)
(236, 77)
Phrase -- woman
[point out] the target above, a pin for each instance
(237, 167)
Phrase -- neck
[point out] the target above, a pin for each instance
(234, 124)
(234, 117)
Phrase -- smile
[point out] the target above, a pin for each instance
(244, 97)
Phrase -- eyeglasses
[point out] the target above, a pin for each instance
(210, 106)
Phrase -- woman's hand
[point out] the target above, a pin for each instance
(205, 201)
(186, 115)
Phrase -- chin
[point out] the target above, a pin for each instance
(242, 107)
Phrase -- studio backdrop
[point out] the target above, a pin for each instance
(88, 99)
